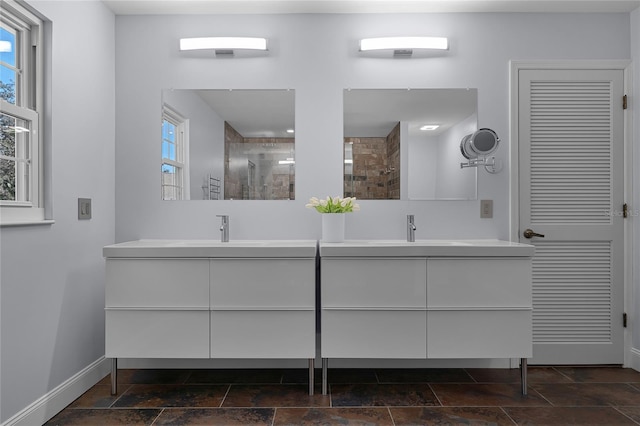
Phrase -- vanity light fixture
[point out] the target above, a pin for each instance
(403, 46)
(290, 131)
(224, 45)
(287, 161)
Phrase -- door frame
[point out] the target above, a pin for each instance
(630, 245)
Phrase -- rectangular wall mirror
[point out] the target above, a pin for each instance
(227, 144)
(427, 124)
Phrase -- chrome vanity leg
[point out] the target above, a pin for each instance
(311, 375)
(325, 362)
(114, 376)
(523, 375)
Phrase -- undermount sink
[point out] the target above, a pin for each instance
(428, 248)
(419, 242)
(213, 248)
(215, 243)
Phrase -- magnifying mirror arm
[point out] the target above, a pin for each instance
(482, 161)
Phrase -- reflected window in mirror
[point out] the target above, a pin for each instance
(423, 125)
(175, 145)
(241, 143)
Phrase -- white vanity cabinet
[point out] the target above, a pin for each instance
(207, 299)
(263, 308)
(157, 308)
(373, 307)
(426, 299)
(479, 307)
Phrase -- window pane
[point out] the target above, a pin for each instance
(7, 180)
(8, 61)
(165, 149)
(168, 131)
(7, 135)
(15, 152)
(169, 182)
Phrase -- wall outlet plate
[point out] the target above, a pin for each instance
(486, 209)
(84, 208)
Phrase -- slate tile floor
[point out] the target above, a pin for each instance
(557, 396)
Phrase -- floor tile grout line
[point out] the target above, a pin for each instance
(470, 375)
(435, 394)
(393, 422)
(156, 419)
(624, 414)
(507, 414)
(533, 388)
(225, 395)
(564, 375)
(120, 396)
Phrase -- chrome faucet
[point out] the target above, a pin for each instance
(224, 228)
(411, 229)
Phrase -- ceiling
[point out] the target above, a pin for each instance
(185, 7)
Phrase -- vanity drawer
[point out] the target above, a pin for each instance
(479, 334)
(479, 282)
(374, 282)
(156, 334)
(248, 283)
(159, 283)
(373, 334)
(263, 334)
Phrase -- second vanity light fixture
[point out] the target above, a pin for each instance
(403, 46)
(224, 46)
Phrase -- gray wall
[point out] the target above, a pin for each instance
(317, 56)
(52, 276)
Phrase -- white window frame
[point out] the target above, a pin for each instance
(28, 208)
(182, 152)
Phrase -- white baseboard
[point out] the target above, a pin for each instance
(634, 359)
(50, 404)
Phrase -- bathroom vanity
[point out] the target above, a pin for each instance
(207, 299)
(426, 299)
(429, 299)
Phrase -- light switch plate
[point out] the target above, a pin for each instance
(486, 209)
(84, 208)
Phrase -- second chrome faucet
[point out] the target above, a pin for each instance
(224, 228)
(411, 229)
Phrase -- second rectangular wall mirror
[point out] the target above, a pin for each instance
(228, 144)
(380, 124)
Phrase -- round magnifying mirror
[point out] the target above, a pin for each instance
(465, 148)
(483, 142)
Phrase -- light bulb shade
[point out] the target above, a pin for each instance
(223, 43)
(404, 43)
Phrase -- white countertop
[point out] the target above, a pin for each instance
(308, 248)
(426, 248)
(213, 248)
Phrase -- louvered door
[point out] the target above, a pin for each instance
(570, 145)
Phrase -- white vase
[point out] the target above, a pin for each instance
(333, 227)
